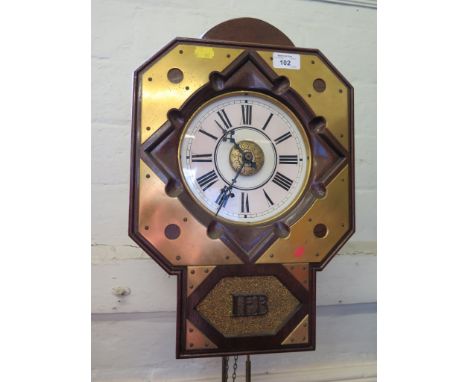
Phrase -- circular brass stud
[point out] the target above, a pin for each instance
(320, 230)
(319, 85)
(175, 75)
(172, 231)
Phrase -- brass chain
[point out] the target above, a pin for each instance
(227, 368)
(234, 369)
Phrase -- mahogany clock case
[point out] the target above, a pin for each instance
(247, 73)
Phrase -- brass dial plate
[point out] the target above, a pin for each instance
(253, 154)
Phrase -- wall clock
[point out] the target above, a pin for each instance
(242, 183)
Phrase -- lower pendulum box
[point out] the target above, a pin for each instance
(240, 309)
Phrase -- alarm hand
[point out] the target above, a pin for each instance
(226, 191)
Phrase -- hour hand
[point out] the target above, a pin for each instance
(226, 193)
(230, 137)
(236, 145)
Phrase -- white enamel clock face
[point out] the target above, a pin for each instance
(244, 157)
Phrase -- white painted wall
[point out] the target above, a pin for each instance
(133, 335)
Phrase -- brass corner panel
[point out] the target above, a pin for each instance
(159, 94)
(195, 276)
(300, 271)
(300, 334)
(168, 226)
(332, 103)
(195, 339)
(303, 245)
